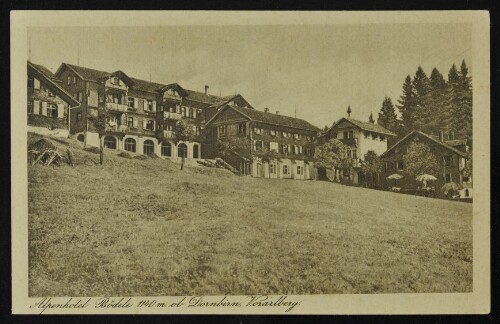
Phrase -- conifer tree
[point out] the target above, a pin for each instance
(406, 106)
(387, 116)
(388, 119)
(435, 105)
(421, 85)
(370, 119)
(463, 121)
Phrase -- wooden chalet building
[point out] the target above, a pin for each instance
(360, 138)
(452, 159)
(49, 104)
(276, 146)
(143, 114)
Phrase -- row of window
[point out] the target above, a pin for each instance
(147, 124)
(349, 134)
(45, 109)
(394, 165)
(399, 165)
(374, 136)
(187, 112)
(258, 145)
(130, 145)
(145, 104)
(274, 132)
(286, 169)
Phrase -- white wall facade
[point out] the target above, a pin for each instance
(264, 170)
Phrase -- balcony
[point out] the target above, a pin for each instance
(168, 134)
(116, 128)
(116, 107)
(349, 141)
(171, 115)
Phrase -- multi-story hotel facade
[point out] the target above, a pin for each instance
(142, 114)
(279, 147)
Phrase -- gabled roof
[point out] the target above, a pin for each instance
(122, 76)
(224, 100)
(44, 70)
(267, 118)
(429, 137)
(49, 77)
(85, 73)
(366, 126)
(174, 86)
(201, 97)
(146, 86)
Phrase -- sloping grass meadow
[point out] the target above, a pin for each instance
(145, 228)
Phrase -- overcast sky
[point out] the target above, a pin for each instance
(316, 69)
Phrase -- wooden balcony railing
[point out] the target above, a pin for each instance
(171, 115)
(116, 106)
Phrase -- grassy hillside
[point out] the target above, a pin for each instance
(133, 227)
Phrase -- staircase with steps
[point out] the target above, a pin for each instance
(217, 163)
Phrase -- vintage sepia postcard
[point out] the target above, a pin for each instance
(250, 162)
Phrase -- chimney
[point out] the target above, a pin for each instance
(206, 89)
(277, 112)
(441, 136)
(266, 109)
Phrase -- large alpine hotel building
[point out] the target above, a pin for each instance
(143, 116)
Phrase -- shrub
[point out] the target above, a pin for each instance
(153, 156)
(92, 149)
(125, 155)
(141, 157)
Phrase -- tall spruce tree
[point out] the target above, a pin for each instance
(454, 98)
(436, 113)
(370, 119)
(406, 106)
(421, 85)
(463, 121)
(387, 118)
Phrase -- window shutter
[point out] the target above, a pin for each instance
(135, 122)
(36, 83)
(154, 124)
(154, 105)
(44, 108)
(60, 110)
(143, 124)
(135, 103)
(194, 113)
(36, 107)
(178, 109)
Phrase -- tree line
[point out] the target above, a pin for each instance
(432, 104)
